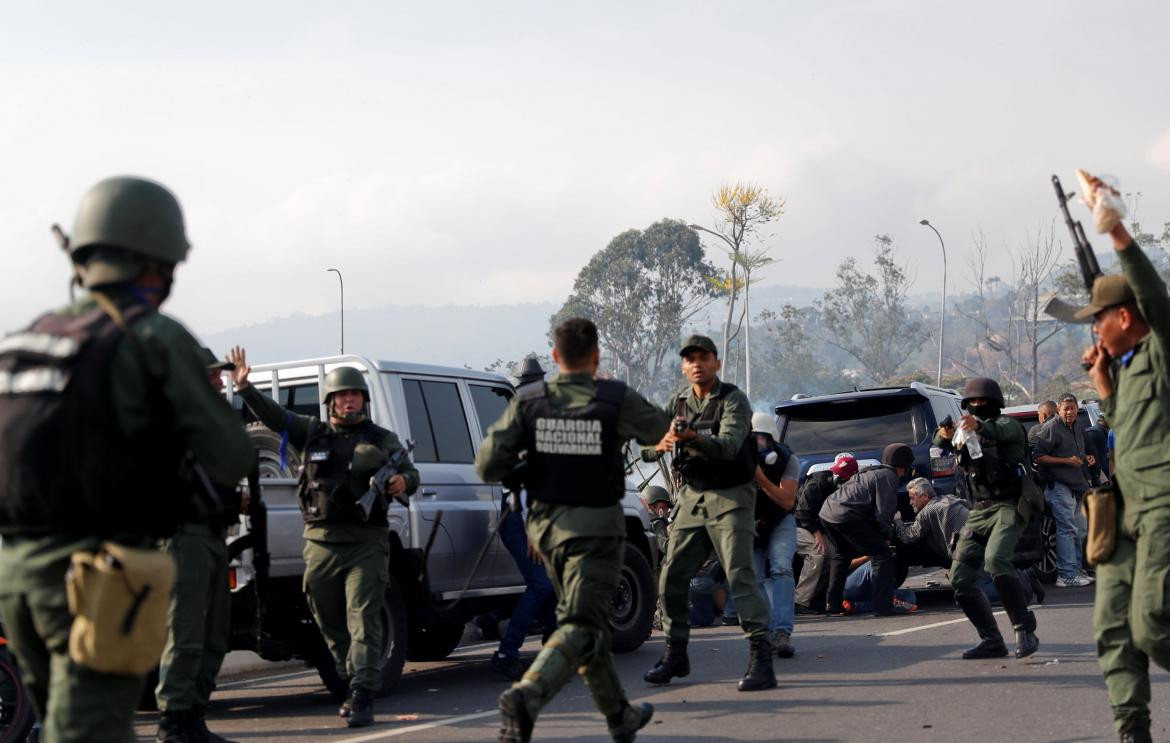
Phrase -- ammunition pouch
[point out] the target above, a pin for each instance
(1100, 505)
(119, 597)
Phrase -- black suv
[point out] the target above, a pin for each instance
(862, 422)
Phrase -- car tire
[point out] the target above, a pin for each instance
(433, 641)
(1046, 566)
(633, 602)
(267, 445)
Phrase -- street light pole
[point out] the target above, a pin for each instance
(942, 318)
(341, 285)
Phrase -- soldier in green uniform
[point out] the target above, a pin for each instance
(573, 428)
(995, 479)
(716, 466)
(199, 618)
(347, 550)
(1129, 367)
(118, 391)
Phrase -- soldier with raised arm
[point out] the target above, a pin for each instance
(347, 548)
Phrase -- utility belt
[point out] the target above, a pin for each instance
(983, 503)
(119, 597)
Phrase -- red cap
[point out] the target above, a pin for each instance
(844, 466)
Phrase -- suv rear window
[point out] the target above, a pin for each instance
(846, 425)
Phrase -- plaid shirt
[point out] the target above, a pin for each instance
(937, 523)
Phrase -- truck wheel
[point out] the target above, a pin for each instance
(393, 649)
(394, 633)
(1046, 566)
(633, 602)
(16, 711)
(434, 641)
(267, 445)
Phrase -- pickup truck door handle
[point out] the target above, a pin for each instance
(426, 492)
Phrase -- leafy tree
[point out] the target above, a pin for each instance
(792, 363)
(640, 291)
(743, 208)
(867, 317)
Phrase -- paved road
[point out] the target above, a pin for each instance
(893, 679)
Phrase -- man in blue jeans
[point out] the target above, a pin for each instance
(776, 478)
(1060, 452)
(538, 601)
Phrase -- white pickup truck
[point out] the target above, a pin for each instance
(444, 412)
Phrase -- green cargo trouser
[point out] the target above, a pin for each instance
(75, 704)
(198, 619)
(731, 535)
(345, 584)
(1132, 614)
(584, 572)
(989, 538)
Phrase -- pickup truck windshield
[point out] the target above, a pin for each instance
(853, 425)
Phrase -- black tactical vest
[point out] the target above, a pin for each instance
(328, 490)
(703, 473)
(65, 467)
(574, 454)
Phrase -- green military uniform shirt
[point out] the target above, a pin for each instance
(1004, 444)
(734, 426)
(299, 429)
(1139, 408)
(500, 451)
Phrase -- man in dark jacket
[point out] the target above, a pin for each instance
(859, 520)
(810, 535)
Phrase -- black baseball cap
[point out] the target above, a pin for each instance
(701, 342)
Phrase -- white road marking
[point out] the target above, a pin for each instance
(264, 679)
(922, 627)
(419, 728)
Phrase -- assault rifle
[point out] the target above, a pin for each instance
(1086, 259)
(380, 479)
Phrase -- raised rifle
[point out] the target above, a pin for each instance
(1086, 258)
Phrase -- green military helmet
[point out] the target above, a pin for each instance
(123, 223)
(655, 494)
(367, 458)
(345, 378)
(982, 387)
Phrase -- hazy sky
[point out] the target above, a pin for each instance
(481, 152)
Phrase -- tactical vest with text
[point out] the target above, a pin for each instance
(65, 466)
(574, 454)
(328, 490)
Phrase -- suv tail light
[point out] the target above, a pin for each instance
(942, 465)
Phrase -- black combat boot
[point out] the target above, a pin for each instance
(346, 706)
(759, 673)
(199, 715)
(632, 718)
(515, 722)
(178, 726)
(361, 709)
(674, 662)
(978, 611)
(1136, 730)
(1011, 595)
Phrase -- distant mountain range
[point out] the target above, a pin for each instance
(454, 335)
